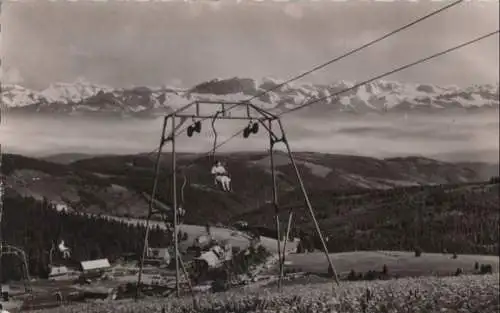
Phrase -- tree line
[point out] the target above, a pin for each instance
(461, 220)
(35, 226)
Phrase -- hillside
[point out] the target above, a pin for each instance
(82, 97)
(111, 184)
(66, 158)
(36, 226)
(467, 293)
(462, 218)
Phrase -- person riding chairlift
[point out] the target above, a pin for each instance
(221, 176)
(64, 250)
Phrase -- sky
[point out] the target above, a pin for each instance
(123, 44)
(184, 43)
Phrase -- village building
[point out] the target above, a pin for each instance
(203, 241)
(159, 253)
(241, 225)
(129, 256)
(158, 257)
(5, 290)
(214, 258)
(208, 260)
(62, 207)
(95, 268)
(59, 273)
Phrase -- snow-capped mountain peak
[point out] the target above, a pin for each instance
(380, 96)
(72, 92)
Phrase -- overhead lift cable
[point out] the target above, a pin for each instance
(398, 69)
(423, 60)
(336, 59)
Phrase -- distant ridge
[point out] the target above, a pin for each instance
(67, 158)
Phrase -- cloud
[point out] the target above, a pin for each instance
(293, 10)
(78, 51)
(474, 135)
(175, 82)
(128, 43)
(194, 10)
(398, 132)
(11, 76)
(215, 5)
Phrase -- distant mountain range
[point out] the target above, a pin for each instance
(111, 184)
(82, 97)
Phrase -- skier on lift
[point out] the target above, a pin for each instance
(64, 250)
(221, 176)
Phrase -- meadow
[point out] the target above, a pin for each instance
(399, 263)
(416, 295)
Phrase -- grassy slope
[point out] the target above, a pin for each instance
(337, 187)
(235, 238)
(398, 262)
(457, 294)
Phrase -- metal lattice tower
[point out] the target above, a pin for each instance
(248, 112)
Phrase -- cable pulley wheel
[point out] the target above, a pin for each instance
(255, 128)
(246, 132)
(197, 127)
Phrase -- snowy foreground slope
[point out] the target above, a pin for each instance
(83, 97)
